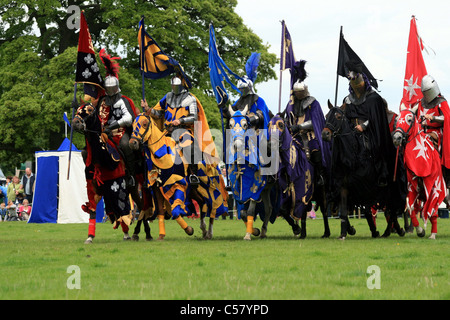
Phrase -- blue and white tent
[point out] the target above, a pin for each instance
(56, 199)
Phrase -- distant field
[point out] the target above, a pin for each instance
(34, 262)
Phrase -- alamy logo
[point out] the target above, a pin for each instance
(73, 22)
(374, 280)
(74, 280)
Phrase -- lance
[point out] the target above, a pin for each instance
(396, 164)
(74, 104)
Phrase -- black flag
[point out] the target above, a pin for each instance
(347, 54)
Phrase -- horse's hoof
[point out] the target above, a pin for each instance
(248, 236)
(208, 236)
(161, 237)
(135, 237)
(325, 236)
(420, 232)
(189, 230)
(256, 232)
(89, 240)
(341, 237)
(263, 234)
(126, 237)
(351, 231)
(433, 236)
(204, 231)
(297, 230)
(375, 234)
(402, 232)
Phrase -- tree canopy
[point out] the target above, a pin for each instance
(39, 48)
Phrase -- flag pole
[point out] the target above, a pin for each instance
(74, 101)
(282, 60)
(142, 62)
(221, 106)
(337, 74)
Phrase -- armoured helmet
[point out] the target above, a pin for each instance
(245, 86)
(111, 85)
(177, 85)
(300, 89)
(430, 88)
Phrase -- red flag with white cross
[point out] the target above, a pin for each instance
(415, 67)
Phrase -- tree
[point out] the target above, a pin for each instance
(39, 50)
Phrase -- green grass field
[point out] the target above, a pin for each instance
(34, 262)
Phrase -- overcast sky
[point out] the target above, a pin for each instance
(376, 30)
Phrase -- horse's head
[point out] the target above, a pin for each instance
(83, 115)
(405, 123)
(238, 126)
(334, 121)
(141, 125)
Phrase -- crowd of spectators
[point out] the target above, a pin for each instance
(16, 196)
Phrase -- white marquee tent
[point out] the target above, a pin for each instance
(56, 199)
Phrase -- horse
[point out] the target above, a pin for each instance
(104, 171)
(426, 184)
(295, 176)
(354, 178)
(167, 168)
(252, 190)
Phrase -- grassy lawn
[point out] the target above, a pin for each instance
(34, 262)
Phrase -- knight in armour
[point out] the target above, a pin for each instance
(306, 121)
(256, 106)
(120, 115)
(179, 108)
(435, 114)
(366, 110)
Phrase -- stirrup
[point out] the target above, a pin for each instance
(130, 181)
(320, 181)
(194, 180)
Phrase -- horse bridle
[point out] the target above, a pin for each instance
(140, 137)
(336, 131)
(83, 121)
(406, 134)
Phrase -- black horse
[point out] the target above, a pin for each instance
(355, 182)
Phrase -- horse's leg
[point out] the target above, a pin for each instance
(433, 220)
(370, 221)
(137, 230)
(267, 210)
(414, 211)
(134, 192)
(199, 199)
(162, 227)
(148, 235)
(249, 223)
(90, 208)
(327, 232)
(125, 230)
(291, 221)
(394, 220)
(202, 223)
(323, 205)
(303, 223)
(210, 233)
(212, 217)
(160, 212)
(388, 214)
(91, 229)
(183, 224)
(344, 213)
